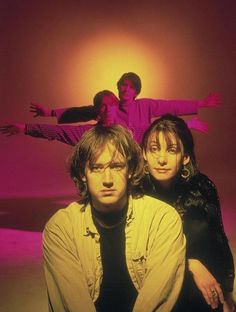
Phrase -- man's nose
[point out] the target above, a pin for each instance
(107, 177)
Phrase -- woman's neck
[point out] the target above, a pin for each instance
(165, 185)
(164, 191)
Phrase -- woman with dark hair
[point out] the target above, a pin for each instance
(172, 176)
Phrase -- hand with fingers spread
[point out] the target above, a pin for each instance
(206, 283)
(39, 110)
(9, 129)
(212, 100)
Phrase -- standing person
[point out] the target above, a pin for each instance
(114, 249)
(173, 176)
(136, 114)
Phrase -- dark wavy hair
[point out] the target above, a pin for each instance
(170, 124)
(134, 78)
(90, 147)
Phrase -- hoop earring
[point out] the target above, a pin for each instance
(185, 174)
(145, 169)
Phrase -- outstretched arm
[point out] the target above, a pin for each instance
(182, 107)
(65, 115)
(198, 125)
(66, 134)
(9, 129)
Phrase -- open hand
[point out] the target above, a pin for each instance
(39, 110)
(212, 100)
(11, 129)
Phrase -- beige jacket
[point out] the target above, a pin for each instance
(155, 256)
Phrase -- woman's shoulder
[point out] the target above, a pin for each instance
(202, 182)
(201, 187)
(200, 177)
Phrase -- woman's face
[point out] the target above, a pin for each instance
(164, 157)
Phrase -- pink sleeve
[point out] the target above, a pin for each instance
(175, 107)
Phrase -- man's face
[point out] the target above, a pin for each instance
(127, 91)
(164, 158)
(107, 180)
(108, 109)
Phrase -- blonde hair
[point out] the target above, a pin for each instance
(90, 147)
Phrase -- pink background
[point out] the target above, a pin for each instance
(43, 58)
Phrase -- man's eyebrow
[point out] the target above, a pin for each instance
(110, 162)
(123, 163)
(98, 164)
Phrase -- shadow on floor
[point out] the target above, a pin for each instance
(30, 214)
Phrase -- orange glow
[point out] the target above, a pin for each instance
(99, 61)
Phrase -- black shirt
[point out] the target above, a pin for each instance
(117, 292)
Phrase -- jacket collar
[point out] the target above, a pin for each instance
(89, 226)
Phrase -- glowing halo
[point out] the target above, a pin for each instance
(100, 60)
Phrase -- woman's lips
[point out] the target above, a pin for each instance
(161, 170)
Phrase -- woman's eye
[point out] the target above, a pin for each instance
(154, 149)
(172, 150)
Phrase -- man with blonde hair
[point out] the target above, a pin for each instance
(115, 249)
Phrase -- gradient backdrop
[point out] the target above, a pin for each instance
(60, 53)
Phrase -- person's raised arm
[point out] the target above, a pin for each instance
(182, 107)
(65, 115)
(63, 133)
